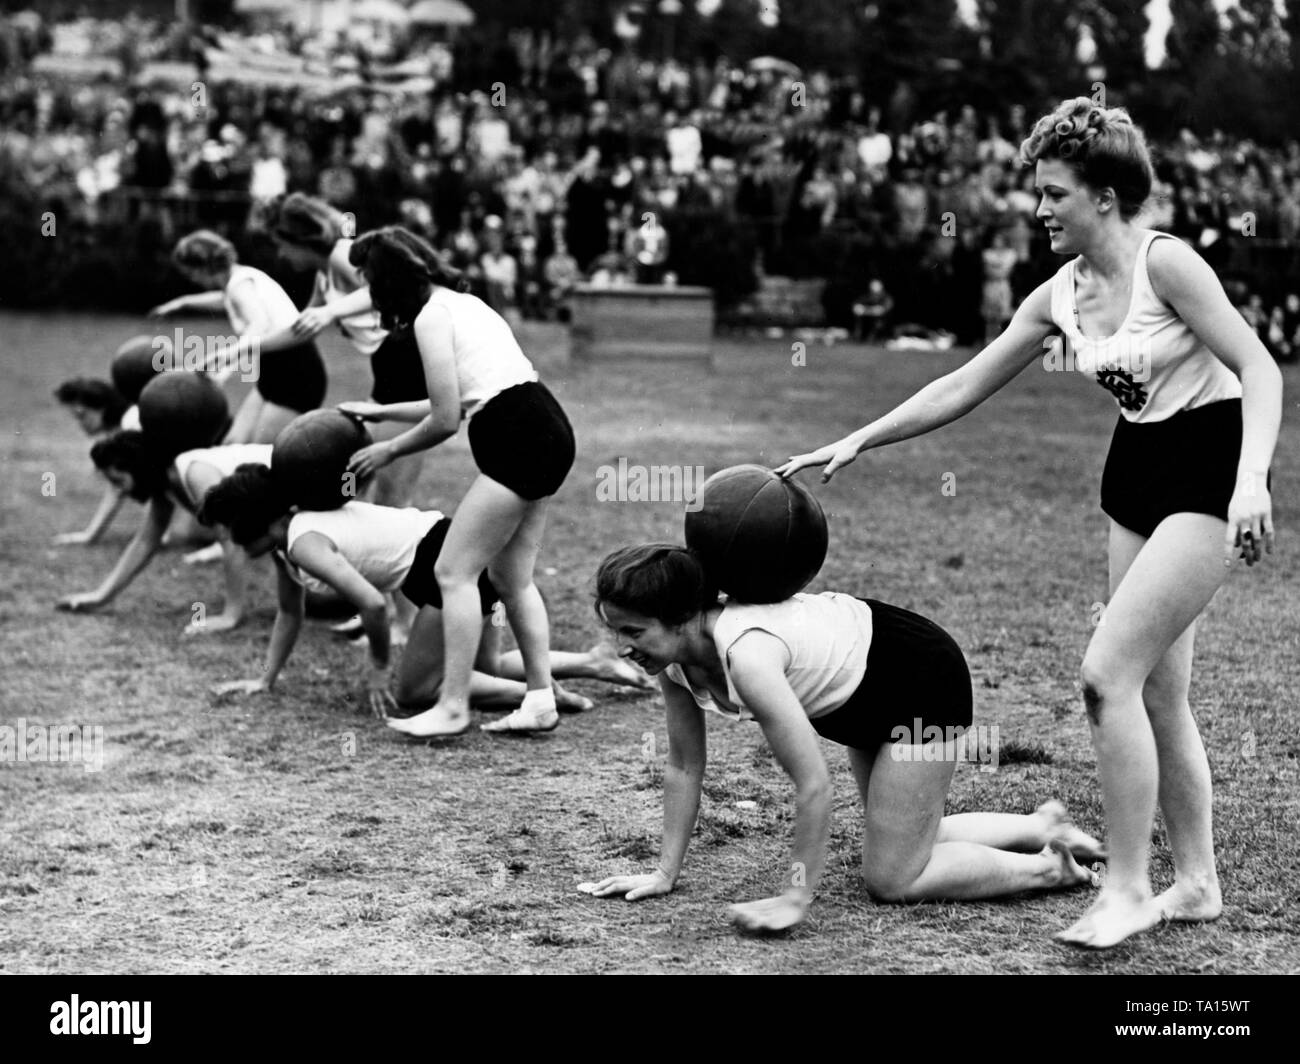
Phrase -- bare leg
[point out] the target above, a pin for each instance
(245, 423)
(1157, 596)
(271, 420)
(395, 484)
(902, 856)
(1023, 833)
(601, 662)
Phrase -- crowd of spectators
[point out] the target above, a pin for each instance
(582, 163)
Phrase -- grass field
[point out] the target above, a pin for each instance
(297, 834)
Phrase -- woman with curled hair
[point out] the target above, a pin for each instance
(859, 672)
(521, 441)
(290, 382)
(1185, 485)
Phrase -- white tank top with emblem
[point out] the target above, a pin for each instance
(379, 542)
(828, 636)
(487, 355)
(1154, 364)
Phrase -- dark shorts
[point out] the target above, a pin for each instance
(915, 671)
(397, 369)
(421, 586)
(522, 439)
(294, 377)
(1184, 464)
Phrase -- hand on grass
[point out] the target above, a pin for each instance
(768, 914)
(633, 888)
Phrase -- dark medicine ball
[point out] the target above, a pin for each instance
(310, 459)
(182, 410)
(137, 362)
(760, 538)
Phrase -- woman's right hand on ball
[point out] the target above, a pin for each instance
(369, 460)
(633, 888)
(834, 456)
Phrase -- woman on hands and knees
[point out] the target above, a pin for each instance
(853, 671)
(366, 553)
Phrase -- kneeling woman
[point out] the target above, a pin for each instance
(363, 552)
(853, 671)
(136, 466)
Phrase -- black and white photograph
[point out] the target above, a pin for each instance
(650, 487)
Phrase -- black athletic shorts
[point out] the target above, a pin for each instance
(915, 671)
(397, 369)
(421, 586)
(1184, 464)
(522, 439)
(294, 377)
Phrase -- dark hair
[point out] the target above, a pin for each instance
(247, 502)
(401, 270)
(1101, 145)
(306, 222)
(659, 580)
(146, 463)
(204, 251)
(97, 395)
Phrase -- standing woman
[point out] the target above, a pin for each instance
(292, 381)
(522, 443)
(311, 233)
(1185, 486)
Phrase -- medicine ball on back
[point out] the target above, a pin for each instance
(761, 538)
(310, 459)
(136, 363)
(181, 411)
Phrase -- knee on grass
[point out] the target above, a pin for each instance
(888, 886)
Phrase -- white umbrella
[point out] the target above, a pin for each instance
(441, 13)
(389, 11)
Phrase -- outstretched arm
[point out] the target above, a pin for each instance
(108, 507)
(138, 552)
(284, 634)
(758, 662)
(948, 398)
(683, 779)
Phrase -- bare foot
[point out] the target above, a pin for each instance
(432, 723)
(524, 722)
(208, 555)
(1070, 873)
(1191, 902)
(569, 702)
(613, 669)
(1058, 825)
(1111, 919)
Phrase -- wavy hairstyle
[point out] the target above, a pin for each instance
(129, 452)
(204, 251)
(247, 502)
(402, 270)
(94, 394)
(659, 580)
(1100, 144)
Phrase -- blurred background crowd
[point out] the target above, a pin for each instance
(728, 144)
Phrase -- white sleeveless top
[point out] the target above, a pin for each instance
(488, 358)
(226, 458)
(379, 542)
(827, 635)
(1153, 364)
(269, 295)
(363, 330)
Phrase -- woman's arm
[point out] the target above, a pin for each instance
(212, 302)
(142, 547)
(291, 599)
(434, 337)
(951, 396)
(414, 411)
(1186, 282)
(257, 335)
(317, 555)
(758, 662)
(108, 507)
(683, 778)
